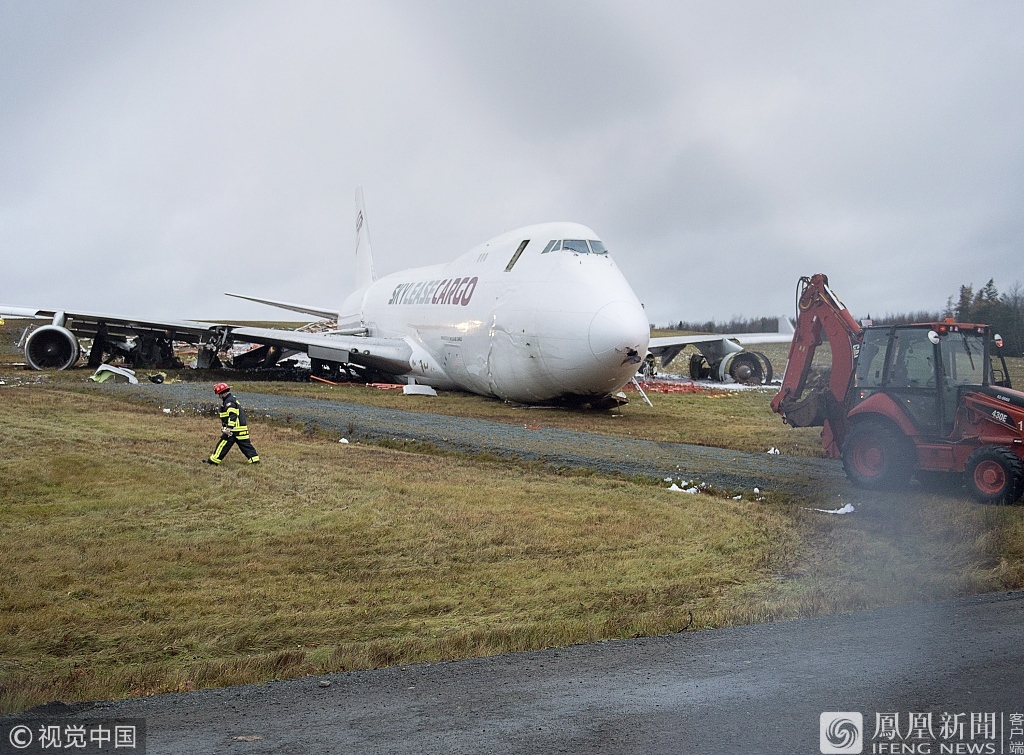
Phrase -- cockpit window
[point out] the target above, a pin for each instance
(579, 246)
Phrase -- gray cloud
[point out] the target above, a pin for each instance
(153, 156)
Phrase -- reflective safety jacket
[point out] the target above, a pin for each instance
(233, 418)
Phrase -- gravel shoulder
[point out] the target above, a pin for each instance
(556, 448)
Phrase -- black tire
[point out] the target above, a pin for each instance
(878, 456)
(746, 369)
(994, 474)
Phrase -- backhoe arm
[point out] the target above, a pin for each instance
(819, 309)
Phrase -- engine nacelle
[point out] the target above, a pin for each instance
(51, 347)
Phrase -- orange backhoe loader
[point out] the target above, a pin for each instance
(923, 400)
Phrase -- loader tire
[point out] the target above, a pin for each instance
(878, 456)
(994, 475)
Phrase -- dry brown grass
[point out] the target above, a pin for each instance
(138, 570)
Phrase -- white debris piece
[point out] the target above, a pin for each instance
(418, 390)
(774, 451)
(167, 411)
(737, 497)
(343, 440)
(667, 479)
(847, 509)
(106, 371)
(757, 490)
(678, 489)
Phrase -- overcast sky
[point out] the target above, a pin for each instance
(155, 155)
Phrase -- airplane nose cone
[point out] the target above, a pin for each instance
(621, 327)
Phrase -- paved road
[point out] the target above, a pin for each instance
(558, 448)
(755, 689)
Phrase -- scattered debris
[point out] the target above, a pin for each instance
(847, 509)
(344, 440)
(418, 390)
(737, 497)
(324, 683)
(670, 386)
(119, 374)
(167, 411)
(678, 489)
(774, 451)
(247, 738)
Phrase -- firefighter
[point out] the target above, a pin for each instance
(233, 428)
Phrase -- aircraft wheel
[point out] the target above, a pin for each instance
(746, 369)
(877, 456)
(994, 475)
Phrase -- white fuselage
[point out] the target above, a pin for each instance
(551, 324)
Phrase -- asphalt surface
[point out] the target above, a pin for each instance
(753, 689)
(722, 468)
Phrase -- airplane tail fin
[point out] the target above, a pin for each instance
(785, 326)
(365, 274)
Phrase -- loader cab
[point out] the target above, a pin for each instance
(925, 368)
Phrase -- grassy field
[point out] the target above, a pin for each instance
(129, 569)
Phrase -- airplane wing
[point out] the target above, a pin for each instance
(85, 324)
(323, 314)
(55, 344)
(720, 351)
(389, 355)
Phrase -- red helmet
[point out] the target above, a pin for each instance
(221, 388)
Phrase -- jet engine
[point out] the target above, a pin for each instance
(746, 367)
(51, 347)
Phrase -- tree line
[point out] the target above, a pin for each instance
(735, 325)
(1003, 311)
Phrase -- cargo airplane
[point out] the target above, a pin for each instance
(539, 314)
